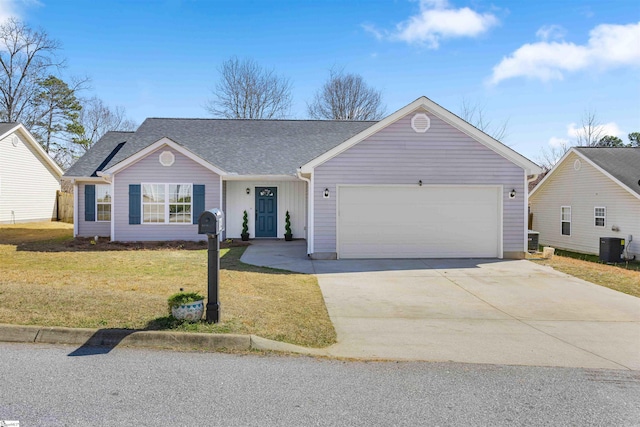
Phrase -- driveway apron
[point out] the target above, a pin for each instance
(467, 310)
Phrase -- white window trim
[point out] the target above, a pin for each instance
(103, 203)
(166, 204)
(562, 220)
(604, 217)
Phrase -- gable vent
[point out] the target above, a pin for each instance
(420, 123)
(167, 158)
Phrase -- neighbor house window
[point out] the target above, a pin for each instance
(599, 214)
(103, 203)
(565, 218)
(167, 203)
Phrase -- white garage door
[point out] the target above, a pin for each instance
(419, 222)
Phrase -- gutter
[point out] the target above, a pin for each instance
(309, 211)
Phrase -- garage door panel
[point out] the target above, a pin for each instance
(417, 222)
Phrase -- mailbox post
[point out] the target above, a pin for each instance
(211, 223)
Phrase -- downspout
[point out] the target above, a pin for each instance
(75, 208)
(309, 211)
(527, 180)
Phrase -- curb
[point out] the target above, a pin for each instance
(145, 339)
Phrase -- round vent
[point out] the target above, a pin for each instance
(167, 158)
(420, 123)
(577, 164)
(15, 140)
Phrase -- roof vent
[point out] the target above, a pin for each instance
(167, 158)
(577, 164)
(420, 123)
(15, 140)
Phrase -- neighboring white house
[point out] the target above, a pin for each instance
(592, 192)
(29, 178)
(420, 183)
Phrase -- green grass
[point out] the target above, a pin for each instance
(47, 278)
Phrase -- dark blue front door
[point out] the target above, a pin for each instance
(266, 212)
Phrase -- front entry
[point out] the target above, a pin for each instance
(266, 212)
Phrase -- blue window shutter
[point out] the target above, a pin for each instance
(89, 202)
(134, 203)
(198, 201)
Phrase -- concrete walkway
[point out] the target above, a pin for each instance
(475, 311)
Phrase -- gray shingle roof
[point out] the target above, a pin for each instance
(623, 163)
(88, 164)
(6, 127)
(245, 147)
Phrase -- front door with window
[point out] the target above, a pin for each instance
(266, 212)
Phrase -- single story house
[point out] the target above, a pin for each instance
(29, 178)
(419, 183)
(592, 192)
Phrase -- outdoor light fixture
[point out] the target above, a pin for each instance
(420, 183)
(326, 193)
(248, 190)
(512, 195)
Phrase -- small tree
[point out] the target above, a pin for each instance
(287, 227)
(346, 97)
(245, 226)
(248, 91)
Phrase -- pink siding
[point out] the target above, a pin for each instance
(399, 155)
(149, 170)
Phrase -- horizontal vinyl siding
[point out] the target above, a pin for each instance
(291, 197)
(149, 170)
(398, 155)
(27, 185)
(90, 228)
(583, 190)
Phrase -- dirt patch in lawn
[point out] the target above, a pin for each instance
(48, 278)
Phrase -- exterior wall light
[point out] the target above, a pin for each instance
(326, 193)
(248, 190)
(512, 195)
(420, 183)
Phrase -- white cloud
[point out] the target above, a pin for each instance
(609, 46)
(610, 128)
(551, 32)
(437, 20)
(8, 9)
(558, 142)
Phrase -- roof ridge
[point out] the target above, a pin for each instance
(260, 120)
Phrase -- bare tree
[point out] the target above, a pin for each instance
(26, 57)
(474, 113)
(549, 156)
(346, 97)
(96, 119)
(591, 130)
(248, 91)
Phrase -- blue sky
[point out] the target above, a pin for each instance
(540, 65)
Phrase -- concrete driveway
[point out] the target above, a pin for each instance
(475, 311)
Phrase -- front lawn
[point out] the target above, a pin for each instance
(47, 278)
(621, 279)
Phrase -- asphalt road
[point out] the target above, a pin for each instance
(63, 386)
